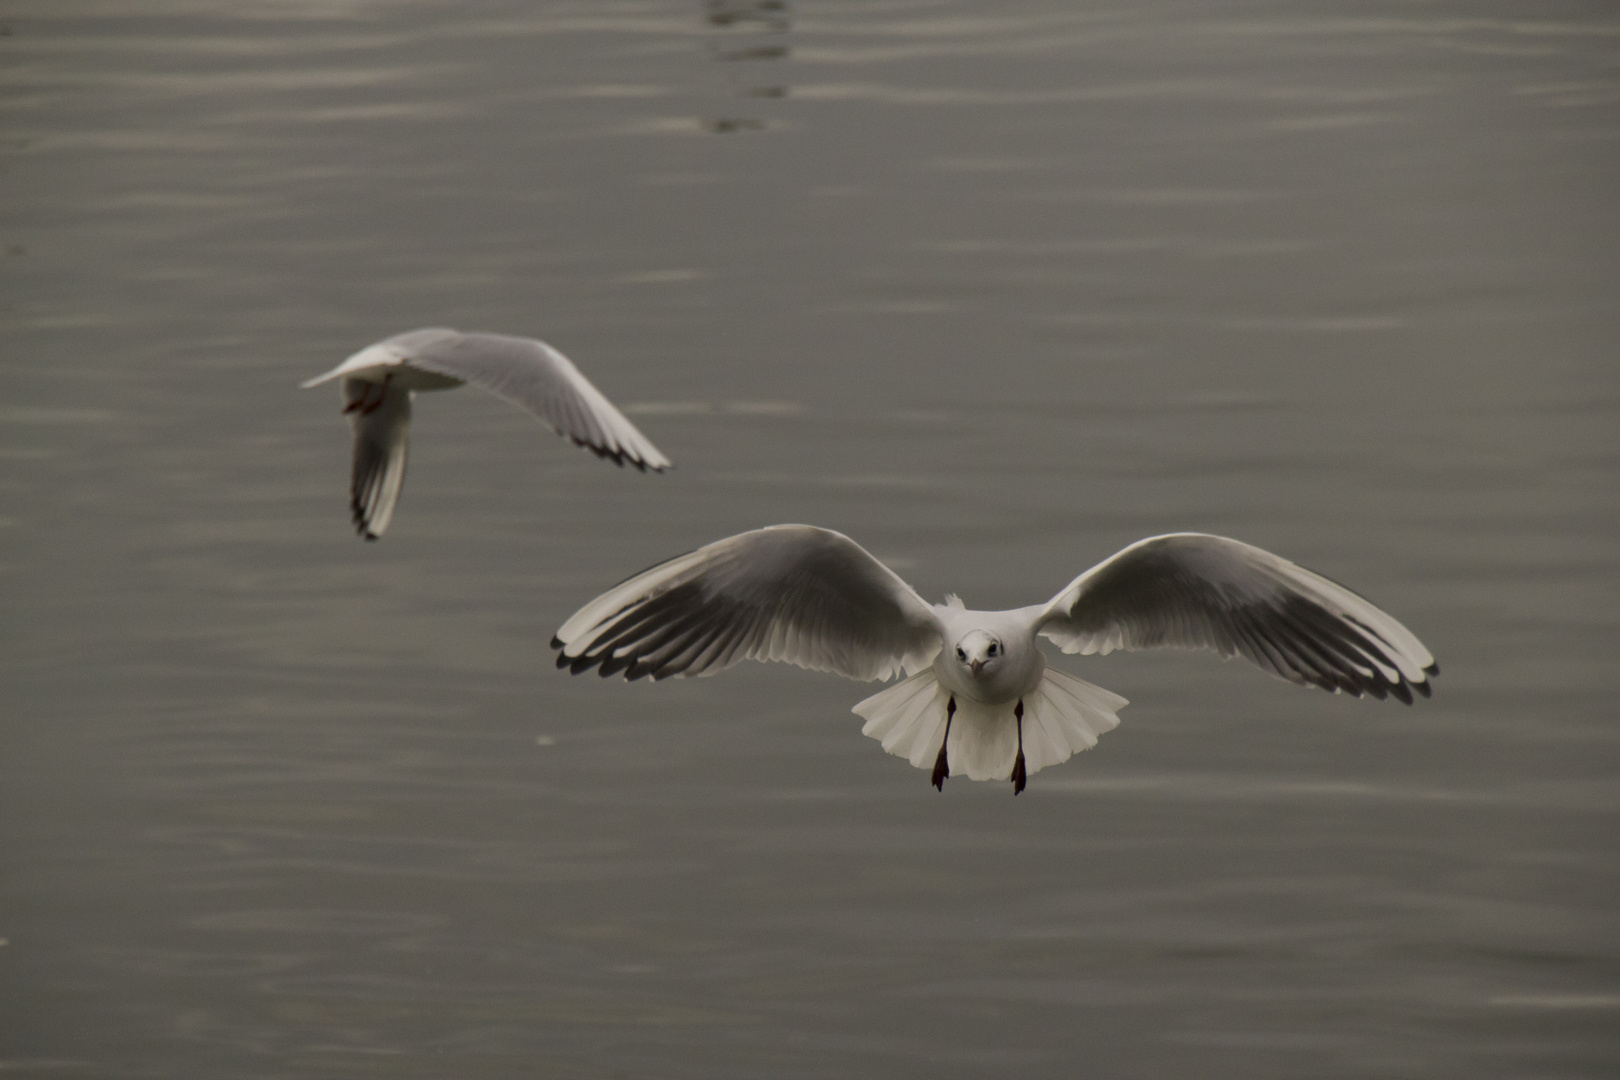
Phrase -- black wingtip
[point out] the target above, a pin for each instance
(612, 665)
(615, 456)
(643, 465)
(620, 457)
(556, 642)
(1433, 669)
(362, 527)
(606, 664)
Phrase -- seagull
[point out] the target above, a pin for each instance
(979, 698)
(379, 381)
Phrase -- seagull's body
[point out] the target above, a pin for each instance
(979, 698)
(379, 381)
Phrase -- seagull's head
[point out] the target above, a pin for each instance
(980, 651)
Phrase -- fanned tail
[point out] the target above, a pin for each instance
(908, 718)
(1065, 715)
(1062, 716)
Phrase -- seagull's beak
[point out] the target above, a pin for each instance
(977, 666)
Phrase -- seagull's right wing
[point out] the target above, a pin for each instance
(795, 593)
(532, 374)
(381, 417)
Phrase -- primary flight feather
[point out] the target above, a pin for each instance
(979, 699)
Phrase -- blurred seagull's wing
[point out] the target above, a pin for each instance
(794, 593)
(381, 417)
(1195, 591)
(532, 374)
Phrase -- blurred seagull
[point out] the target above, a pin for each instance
(379, 380)
(979, 699)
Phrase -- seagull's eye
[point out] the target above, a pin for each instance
(994, 648)
(961, 653)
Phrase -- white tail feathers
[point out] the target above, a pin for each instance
(908, 718)
(1062, 716)
(1069, 715)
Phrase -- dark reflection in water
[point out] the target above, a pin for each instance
(748, 32)
(1004, 287)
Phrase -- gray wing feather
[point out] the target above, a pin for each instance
(794, 593)
(532, 374)
(381, 444)
(1195, 591)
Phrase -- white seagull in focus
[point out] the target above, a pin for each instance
(379, 381)
(979, 699)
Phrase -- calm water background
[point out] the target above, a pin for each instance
(994, 287)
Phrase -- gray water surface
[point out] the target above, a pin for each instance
(996, 288)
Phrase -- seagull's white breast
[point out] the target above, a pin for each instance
(1021, 663)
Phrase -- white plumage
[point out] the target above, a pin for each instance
(979, 699)
(379, 381)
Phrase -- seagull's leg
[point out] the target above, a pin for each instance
(942, 768)
(1018, 775)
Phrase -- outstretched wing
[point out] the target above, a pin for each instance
(795, 593)
(381, 417)
(1195, 591)
(534, 375)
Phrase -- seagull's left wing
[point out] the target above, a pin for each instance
(795, 593)
(381, 417)
(532, 374)
(1195, 591)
